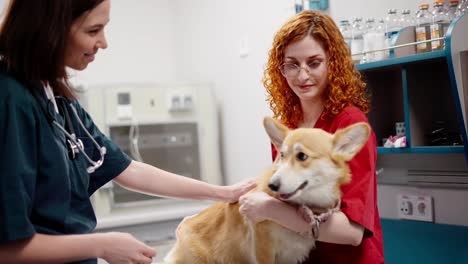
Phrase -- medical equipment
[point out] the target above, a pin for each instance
(74, 144)
(173, 127)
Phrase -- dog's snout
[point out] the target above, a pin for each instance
(274, 186)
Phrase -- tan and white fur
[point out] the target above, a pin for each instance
(310, 168)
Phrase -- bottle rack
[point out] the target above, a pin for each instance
(423, 90)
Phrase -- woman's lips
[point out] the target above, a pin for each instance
(90, 57)
(305, 87)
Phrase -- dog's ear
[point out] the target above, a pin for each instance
(348, 141)
(275, 130)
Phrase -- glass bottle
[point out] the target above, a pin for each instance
(462, 8)
(345, 29)
(452, 9)
(357, 41)
(423, 28)
(369, 40)
(381, 41)
(406, 20)
(392, 22)
(439, 25)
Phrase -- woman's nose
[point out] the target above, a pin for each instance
(303, 74)
(102, 43)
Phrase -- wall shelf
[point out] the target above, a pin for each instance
(435, 149)
(402, 60)
(426, 91)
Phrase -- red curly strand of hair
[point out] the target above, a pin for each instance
(345, 86)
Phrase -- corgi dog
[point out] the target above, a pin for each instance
(310, 168)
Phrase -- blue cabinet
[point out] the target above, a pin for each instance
(426, 91)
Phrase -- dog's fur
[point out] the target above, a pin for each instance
(311, 167)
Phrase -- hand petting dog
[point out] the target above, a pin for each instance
(254, 206)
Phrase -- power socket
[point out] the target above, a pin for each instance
(406, 206)
(415, 207)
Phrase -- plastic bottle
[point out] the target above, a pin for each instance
(439, 25)
(423, 28)
(357, 41)
(345, 29)
(452, 9)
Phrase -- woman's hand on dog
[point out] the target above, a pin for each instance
(235, 191)
(255, 206)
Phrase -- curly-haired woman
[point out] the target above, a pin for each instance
(312, 82)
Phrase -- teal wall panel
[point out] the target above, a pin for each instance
(411, 242)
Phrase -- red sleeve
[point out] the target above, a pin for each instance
(360, 195)
(274, 152)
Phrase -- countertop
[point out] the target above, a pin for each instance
(151, 213)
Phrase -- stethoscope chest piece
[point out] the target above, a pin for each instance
(73, 144)
(74, 147)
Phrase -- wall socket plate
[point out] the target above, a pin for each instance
(415, 207)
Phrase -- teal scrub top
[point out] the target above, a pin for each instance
(42, 190)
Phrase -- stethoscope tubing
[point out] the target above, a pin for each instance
(76, 145)
(79, 145)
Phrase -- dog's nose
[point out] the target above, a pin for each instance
(274, 186)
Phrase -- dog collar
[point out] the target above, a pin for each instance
(315, 220)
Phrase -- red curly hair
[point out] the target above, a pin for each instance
(345, 86)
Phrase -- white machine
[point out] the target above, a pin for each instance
(174, 128)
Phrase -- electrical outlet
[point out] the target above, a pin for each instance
(180, 102)
(406, 206)
(415, 207)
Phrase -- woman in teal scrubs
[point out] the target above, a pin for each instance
(45, 210)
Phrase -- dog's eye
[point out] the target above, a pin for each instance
(281, 154)
(301, 156)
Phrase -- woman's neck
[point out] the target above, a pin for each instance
(311, 113)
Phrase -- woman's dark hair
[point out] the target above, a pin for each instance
(33, 38)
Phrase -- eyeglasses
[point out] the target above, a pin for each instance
(292, 70)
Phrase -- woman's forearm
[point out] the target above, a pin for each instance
(337, 229)
(287, 216)
(50, 249)
(151, 180)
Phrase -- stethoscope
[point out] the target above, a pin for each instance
(74, 144)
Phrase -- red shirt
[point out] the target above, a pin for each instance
(359, 201)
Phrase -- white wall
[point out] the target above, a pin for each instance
(141, 39)
(208, 41)
(449, 207)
